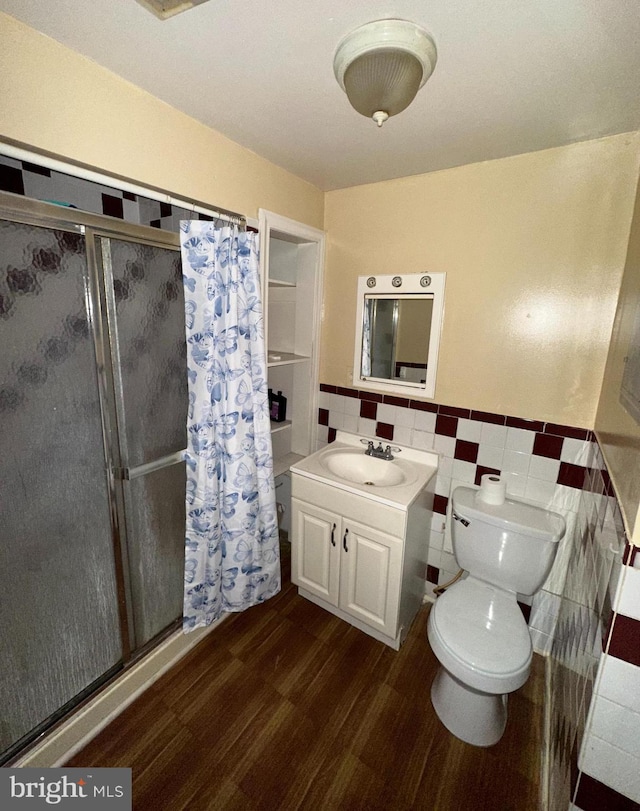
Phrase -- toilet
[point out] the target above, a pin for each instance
(476, 628)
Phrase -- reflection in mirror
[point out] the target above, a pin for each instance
(395, 337)
(398, 332)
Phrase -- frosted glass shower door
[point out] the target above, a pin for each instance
(145, 304)
(58, 592)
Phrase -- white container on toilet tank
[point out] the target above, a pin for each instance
(476, 628)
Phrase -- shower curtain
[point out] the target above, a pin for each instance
(232, 558)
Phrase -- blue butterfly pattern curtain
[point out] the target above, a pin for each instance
(232, 558)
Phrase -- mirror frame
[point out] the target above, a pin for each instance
(414, 284)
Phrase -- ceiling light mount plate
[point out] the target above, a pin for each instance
(163, 9)
(389, 60)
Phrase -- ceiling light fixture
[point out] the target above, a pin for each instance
(382, 65)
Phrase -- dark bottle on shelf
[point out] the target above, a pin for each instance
(278, 407)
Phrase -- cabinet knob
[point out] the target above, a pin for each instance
(333, 540)
(344, 540)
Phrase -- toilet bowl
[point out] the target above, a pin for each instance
(476, 628)
(480, 637)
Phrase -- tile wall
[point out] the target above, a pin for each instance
(543, 463)
(587, 616)
(40, 183)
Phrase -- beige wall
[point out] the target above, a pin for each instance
(53, 99)
(533, 247)
(618, 433)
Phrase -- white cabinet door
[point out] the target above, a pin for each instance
(370, 577)
(315, 551)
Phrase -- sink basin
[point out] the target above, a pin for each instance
(356, 466)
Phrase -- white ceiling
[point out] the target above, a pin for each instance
(513, 76)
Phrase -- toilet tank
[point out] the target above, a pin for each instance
(511, 545)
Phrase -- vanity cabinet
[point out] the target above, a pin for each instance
(362, 560)
(291, 268)
(354, 567)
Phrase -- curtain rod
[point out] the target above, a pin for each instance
(115, 181)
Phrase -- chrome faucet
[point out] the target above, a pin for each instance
(380, 452)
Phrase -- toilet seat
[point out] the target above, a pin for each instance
(480, 636)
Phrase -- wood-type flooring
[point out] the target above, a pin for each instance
(287, 707)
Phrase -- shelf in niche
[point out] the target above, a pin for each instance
(279, 426)
(284, 358)
(283, 463)
(280, 283)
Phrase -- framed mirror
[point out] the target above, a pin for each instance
(399, 321)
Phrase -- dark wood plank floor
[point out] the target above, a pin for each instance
(287, 707)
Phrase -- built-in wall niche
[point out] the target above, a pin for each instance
(292, 258)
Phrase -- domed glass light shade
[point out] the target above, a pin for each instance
(382, 65)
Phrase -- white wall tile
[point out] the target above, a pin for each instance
(422, 440)
(444, 444)
(425, 421)
(566, 498)
(629, 595)
(443, 485)
(336, 420)
(386, 413)
(541, 467)
(516, 484)
(335, 402)
(575, 451)
(612, 766)
(445, 465)
(617, 725)
(352, 406)
(539, 490)
(366, 427)
(405, 417)
(464, 471)
(620, 682)
(490, 456)
(469, 430)
(324, 400)
(495, 435)
(520, 440)
(436, 540)
(437, 522)
(350, 422)
(541, 642)
(515, 462)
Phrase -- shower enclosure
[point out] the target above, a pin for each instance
(93, 401)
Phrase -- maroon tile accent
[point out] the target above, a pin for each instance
(346, 392)
(396, 401)
(447, 426)
(452, 411)
(593, 795)
(432, 574)
(440, 504)
(487, 416)
(326, 387)
(572, 475)
(112, 206)
(467, 451)
(384, 430)
(526, 611)
(369, 395)
(368, 410)
(420, 405)
(566, 430)
(128, 195)
(625, 639)
(630, 552)
(323, 416)
(332, 435)
(526, 425)
(481, 471)
(549, 446)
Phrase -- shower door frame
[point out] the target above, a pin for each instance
(27, 211)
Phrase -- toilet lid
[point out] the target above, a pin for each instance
(483, 627)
